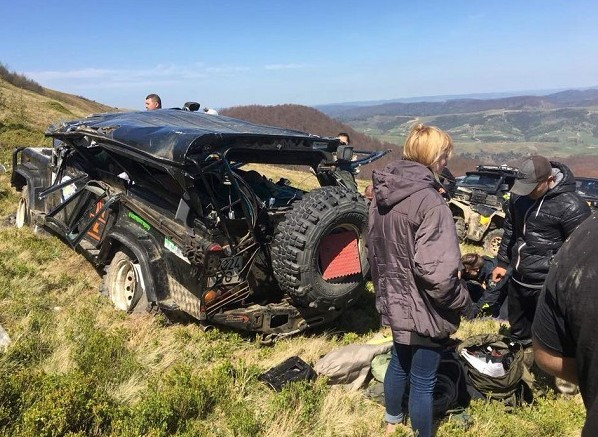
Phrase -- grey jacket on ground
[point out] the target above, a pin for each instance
(414, 255)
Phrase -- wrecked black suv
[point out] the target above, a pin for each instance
(160, 203)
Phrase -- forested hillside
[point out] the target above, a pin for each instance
(316, 122)
(306, 119)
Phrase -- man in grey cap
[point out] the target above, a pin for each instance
(543, 211)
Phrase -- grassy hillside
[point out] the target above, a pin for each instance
(562, 125)
(79, 367)
(24, 114)
(557, 132)
(504, 136)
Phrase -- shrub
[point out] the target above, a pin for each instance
(28, 350)
(12, 385)
(303, 397)
(241, 418)
(69, 403)
(58, 107)
(20, 80)
(35, 403)
(100, 354)
(172, 401)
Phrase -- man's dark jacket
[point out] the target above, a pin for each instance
(536, 229)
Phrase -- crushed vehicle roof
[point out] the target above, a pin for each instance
(172, 134)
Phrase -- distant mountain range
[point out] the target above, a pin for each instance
(472, 132)
(561, 124)
(436, 105)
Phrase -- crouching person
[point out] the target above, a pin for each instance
(490, 298)
(565, 332)
(414, 254)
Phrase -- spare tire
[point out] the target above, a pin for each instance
(318, 254)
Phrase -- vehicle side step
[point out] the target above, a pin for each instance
(89, 247)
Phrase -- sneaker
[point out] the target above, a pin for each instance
(566, 387)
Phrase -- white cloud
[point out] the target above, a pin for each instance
(213, 85)
(154, 74)
(476, 16)
(86, 73)
(126, 84)
(227, 70)
(285, 66)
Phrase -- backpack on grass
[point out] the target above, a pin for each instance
(495, 369)
(450, 392)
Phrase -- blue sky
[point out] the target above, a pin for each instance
(225, 53)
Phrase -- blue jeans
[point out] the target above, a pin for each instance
(420, 365)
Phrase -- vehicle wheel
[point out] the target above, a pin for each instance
(460, 227)
(23, 215)
(318, 254)
(123, 283)
(492, 241)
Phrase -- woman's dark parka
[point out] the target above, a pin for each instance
(414, 254)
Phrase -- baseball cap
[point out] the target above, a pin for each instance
(532, 171)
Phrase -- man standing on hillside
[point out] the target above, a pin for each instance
(543, 211)
(565, 328)
(153, 101)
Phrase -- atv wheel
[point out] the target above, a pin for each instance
(123, 283)
(318, 254)
(23, 215)
(460, 227)
(492, 241)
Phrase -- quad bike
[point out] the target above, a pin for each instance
(478, 203)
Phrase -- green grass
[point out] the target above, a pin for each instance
(52, 104)
(79, 367)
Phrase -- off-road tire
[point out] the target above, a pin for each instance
(123, 283)
(492, 241)
(295, 249)
(23, 214)
(460, 228)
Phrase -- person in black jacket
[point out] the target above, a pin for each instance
(543, 211)
(490, 298)
(565, 328)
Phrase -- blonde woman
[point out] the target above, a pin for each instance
(414, 254)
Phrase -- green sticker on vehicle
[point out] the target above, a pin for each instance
(169, 245)
(145, 225)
